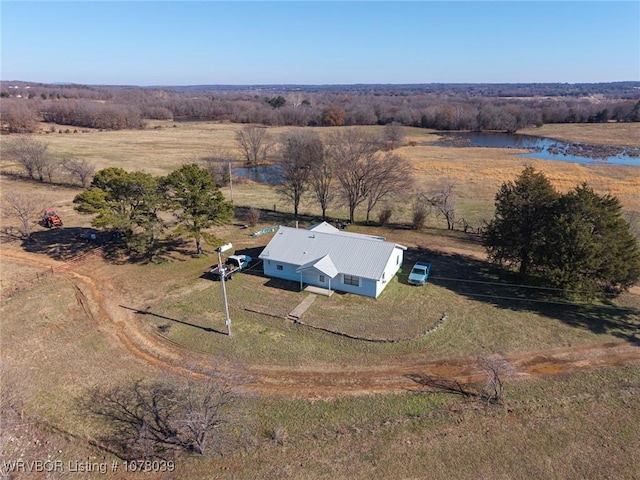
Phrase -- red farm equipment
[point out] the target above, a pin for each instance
(51, 219)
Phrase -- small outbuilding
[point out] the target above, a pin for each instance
(332, 259)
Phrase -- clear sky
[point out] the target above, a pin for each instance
(327, 42)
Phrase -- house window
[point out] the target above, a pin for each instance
(383, 275)
(321, 278)
(351, 280)
(398, 260)
(278, 267)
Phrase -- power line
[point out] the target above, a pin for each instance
(572, 304)
(504, 284)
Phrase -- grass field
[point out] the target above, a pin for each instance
(627, 134)
(478, 172)
(584, 425)
(258, 306)
(57, 340)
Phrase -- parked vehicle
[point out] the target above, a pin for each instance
(234, 264)
(50, 219)
(419, 273)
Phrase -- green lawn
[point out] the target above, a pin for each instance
(479, 319)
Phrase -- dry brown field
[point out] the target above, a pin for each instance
(627, 134)
(478, 172)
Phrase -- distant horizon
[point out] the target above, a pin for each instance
(35, 82)
(156, 43)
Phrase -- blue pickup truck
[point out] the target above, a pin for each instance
(419, 273)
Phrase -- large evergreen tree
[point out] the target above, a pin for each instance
(128, 202)
(578, 242)
(197, 202)
(589, 245)
(522, 211)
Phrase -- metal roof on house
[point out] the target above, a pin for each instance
(354, 254)
(323, 265)
(325, 227)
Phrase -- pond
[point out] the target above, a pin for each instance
(547, 148)
(544, 148)
(269, 174)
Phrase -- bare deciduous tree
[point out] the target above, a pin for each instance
(353, 152)
(154, 419)
(26, 207)
(420, 211)
(18, 116)
(300, 151)
(444, 203)
(385, 215)
(388, 174)
(333, 117)
(254, 144)
(81, 170)
(252, 216)
(498, 371)
(219, 166)
(51, 169)
(30, 153)
(321, 183)
(393, 135)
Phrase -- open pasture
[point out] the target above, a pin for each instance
(627, 134)
(477, 172)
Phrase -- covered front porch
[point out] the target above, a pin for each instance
(326, 271)
(319, 290)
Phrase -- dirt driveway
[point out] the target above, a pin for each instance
(321, 381)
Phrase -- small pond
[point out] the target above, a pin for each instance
(544, 148)
(547, 148)
(269, 174)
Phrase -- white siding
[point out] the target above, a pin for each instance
(374, 261)
(391, 268)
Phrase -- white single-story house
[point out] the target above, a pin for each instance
(326, 257)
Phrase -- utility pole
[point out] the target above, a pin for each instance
(230, 183)
(227, 320)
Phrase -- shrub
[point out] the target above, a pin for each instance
(420, 214)
(385, 215)
(252, 216)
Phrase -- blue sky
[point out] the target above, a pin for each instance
(329, 42)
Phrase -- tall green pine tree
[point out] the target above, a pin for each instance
(578, 242)
(518, 228)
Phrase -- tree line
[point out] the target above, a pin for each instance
(349, 167)
(442, 107)
(33, 156)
